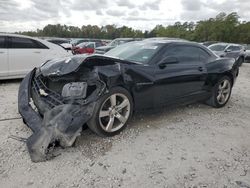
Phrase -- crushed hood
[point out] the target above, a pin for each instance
(62, 66)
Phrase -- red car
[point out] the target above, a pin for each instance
(85, 48)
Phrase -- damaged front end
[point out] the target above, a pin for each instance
(56, 104)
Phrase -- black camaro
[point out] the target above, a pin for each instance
(103, 91)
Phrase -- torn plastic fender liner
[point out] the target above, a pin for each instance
(62, 123)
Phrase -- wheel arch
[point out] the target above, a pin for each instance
(230, 75)
(214, 78)
(128, 88)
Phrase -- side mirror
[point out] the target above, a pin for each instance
(228, 50)
(168, 60)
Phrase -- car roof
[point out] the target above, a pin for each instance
(16, 35)
(164, 38)
(170, 41)
(174, 41)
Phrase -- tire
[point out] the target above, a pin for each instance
(112, 112)
(217, 92)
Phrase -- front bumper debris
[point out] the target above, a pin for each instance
(61, 123)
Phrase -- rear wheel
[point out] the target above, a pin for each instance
(112, 112)
(221, 93)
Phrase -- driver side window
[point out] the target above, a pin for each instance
(234, 48)
(187, 54)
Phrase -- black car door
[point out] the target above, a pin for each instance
(180, 73)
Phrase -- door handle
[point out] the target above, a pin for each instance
(200, 69)
(1, 52)
(37, 52)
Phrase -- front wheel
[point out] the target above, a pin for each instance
(221, 93)
(112, 112)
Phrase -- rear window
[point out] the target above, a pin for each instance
(19, 42)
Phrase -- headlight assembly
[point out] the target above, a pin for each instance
(75, 90)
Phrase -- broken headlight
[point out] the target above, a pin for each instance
(75, 90)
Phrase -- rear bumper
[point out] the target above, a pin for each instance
(32, 118)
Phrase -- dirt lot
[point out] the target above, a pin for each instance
(192, 146)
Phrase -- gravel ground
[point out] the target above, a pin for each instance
(191, 146)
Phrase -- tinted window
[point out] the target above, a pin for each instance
(186, 54)
(203, 55)
(2, 42)
(19, 42)
(234, 48)
(217, 47)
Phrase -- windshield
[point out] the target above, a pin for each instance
(218, 47)
(135, 51)
(247, 47)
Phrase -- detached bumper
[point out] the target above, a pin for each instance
(31, 118)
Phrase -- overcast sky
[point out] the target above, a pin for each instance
(23, 15)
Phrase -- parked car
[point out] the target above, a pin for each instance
(113, 44)
(75, 42)
(85, 48)
(247, 58)
(104, 90)
(19, 54)
(235, 51)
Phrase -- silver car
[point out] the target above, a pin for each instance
(235, 51)
(247, 58)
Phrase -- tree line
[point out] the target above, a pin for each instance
(224, 27)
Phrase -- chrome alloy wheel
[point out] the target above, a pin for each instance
(224, 90)
(114, 112)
